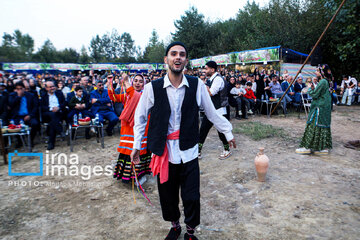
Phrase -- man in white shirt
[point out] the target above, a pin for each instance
(173, 136)
(217, 90)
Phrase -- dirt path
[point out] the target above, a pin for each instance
(305, 197)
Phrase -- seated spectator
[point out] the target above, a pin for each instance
(64, 89)
(101, 104)
(277, 92)
(238, 93)
(84, 84)
(52, 108)
(80, 104)
(267, 88)
(347, 89)
(72, 91)
(298, 87)
(357, 93)
(24, 106)
(285, 85)
(250, 96)
(3, 104)
(33, 88)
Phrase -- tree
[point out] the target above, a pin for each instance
(154, 51)
(84, 57)
(16, 47)
(69, 55)
(47, 53)
(192, 30)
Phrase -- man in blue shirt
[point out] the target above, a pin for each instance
(101, 104)
(24, 106)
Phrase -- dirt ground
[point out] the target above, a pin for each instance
(304, 197)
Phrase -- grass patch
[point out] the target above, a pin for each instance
(258, 131)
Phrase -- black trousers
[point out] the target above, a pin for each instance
(184, 176)
(205, 128)
(54, 120)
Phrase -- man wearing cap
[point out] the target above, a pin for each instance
(217, 90)
(173, 137)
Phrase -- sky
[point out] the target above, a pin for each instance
(73, 23)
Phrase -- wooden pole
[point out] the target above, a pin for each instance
(312, 50)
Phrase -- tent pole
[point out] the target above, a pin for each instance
(312, 50)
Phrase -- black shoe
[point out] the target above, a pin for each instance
(50, 146)
(238, 117)
(188, 237)
(173, 234)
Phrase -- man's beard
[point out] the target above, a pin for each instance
(176, 71)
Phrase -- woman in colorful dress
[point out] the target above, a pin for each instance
(317, 136)
(124, 168)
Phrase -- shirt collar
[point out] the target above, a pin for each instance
(167, 82)
(213, 76)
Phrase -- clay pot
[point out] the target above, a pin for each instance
(261, 165)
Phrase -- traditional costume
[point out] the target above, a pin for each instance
(123, 169)
(317, 135)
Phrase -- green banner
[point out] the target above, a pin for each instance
(74, 66)
(265, 55)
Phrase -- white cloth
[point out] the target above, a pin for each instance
(176, 97)
(236, 91)
(53, 101)
(217, 85)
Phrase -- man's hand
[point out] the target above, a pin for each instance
(232, 143)
(94, 100)
(135, 156)
(108, 104)
(77, 106)
(27, 118)
(83, 106)
(55, 109)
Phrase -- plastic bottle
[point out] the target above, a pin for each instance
(75, 120)
(12, 122)
(80, 116)
(97, 119)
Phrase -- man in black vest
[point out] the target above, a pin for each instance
(173, 137)
(217, 89)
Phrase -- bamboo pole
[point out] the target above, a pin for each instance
(312, 50)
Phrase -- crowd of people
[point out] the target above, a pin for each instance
(57, 98)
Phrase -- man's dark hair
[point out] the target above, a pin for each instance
(238, 83)
(249, 84)
(212, 64)
(78, 88)
(19, 84)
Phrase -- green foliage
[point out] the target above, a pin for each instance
(258, 131)
(154, 51)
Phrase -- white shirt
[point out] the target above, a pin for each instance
(176, 97)
(217, 85)
(53, 101)
(236, 91)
